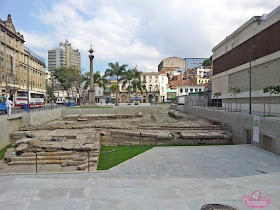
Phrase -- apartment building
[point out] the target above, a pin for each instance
(16, 61)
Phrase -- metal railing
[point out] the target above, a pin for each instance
(126, 151)
(233, 107)
(19, 110)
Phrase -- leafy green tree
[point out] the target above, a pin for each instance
(216, 95)
(118, 71)
(97, 79)
(207, 62)
(235, 91)
(137, 82)
(113, 88)
(127, 78)
(68, 78)
(271, 90)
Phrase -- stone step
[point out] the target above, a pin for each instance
(62, 153)
(14, 159)
(33, 162)
(85, 165)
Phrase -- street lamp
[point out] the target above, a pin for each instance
(28, 99)
(250, 82)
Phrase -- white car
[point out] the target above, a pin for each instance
(59, 101)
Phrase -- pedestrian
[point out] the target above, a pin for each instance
(9, 106)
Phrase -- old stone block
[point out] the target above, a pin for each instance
(163, 136)
(85, 165)
(22, 147)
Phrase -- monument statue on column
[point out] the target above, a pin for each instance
(91, 94)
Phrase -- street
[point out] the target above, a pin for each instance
(17, 110)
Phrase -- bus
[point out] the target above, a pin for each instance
(36, 99)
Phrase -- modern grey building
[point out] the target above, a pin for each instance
(194, 62)
(63, 56)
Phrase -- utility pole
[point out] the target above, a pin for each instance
(27, 83)
(51, 94)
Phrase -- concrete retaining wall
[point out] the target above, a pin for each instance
(135, 109)
(14, 122)
(114, 110)
(241, 126)
(68, 111)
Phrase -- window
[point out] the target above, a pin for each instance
(2, 35)
(199, 89)
(196, 90)
(186, 90)
(2, 49)
(156, 88)
(191, 90)
(150, 87)
(181, 90)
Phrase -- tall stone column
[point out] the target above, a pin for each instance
(91, 94)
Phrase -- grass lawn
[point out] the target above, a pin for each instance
(97, 107)
(2, 151)
(123, 154)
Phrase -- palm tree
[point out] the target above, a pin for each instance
(116, 70)
(113, 88)
(137, 81)
(127, 77)
(97, 79)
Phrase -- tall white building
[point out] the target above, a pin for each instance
(64, 56)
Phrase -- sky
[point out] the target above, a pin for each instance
(132, 32)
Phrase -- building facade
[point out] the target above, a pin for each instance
(189, 89)
(64, 56)
(16, 61)
(174, 63)
(257, 39)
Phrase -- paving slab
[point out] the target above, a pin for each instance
(215, 174)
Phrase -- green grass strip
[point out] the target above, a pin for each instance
(3, 151)
(124, 153)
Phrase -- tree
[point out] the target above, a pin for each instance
(118, 71)
(136, 82)
(127, 77)
(271, 90)
(68, 77)
(113, 88)
(216, 95)
(235, 91)
(207, 62)
(97, 79)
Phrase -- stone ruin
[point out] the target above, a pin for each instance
(70, 141)
(61, 146)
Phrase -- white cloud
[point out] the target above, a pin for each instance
(143, 32)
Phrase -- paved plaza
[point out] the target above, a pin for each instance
(162, 178)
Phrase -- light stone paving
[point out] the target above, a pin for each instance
(164, 178)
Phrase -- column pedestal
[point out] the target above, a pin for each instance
(91, 97)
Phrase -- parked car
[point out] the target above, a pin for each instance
(59, 101)
(3, 106)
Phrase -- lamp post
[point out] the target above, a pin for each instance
(250, 81)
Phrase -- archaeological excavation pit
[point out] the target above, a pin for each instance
(73, 143)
